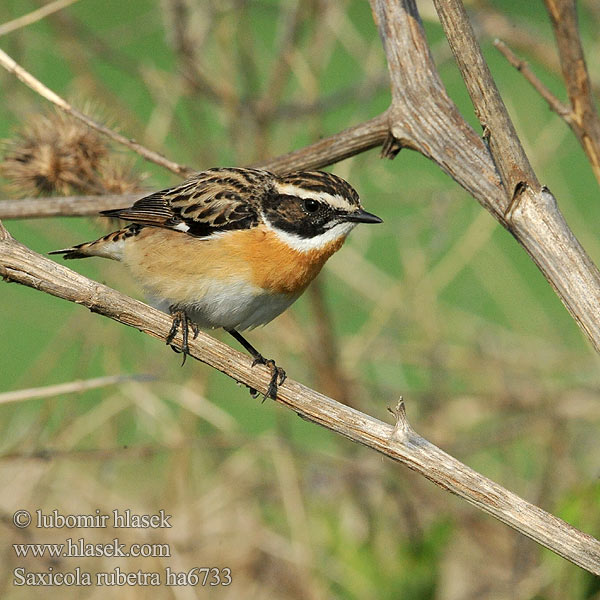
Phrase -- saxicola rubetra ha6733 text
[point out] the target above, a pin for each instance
(232, 247)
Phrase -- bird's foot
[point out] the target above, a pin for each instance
(278, 376)
(277, 373)
(181, 320)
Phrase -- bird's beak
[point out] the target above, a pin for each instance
(362, 216)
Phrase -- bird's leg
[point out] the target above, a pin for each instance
(180, 319)
(278, 375)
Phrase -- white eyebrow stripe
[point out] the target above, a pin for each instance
(336, 200)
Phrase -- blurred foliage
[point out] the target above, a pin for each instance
(439, 304)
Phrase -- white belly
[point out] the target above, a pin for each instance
(233, 305)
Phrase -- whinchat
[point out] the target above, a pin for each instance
(232, 247)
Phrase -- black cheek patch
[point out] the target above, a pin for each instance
(287, 213)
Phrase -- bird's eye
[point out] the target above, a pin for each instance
(310, 205)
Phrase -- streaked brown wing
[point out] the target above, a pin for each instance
(210, 201)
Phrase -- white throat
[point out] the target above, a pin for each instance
(318, 242)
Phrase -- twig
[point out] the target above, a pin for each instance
(34, 16)
(524, 35)
(71, 387)
(37, 86)
(399, 442)
(560, 108)
(402, 431)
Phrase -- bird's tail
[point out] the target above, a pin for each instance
(109, 246)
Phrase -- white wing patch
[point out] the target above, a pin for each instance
(181, 227)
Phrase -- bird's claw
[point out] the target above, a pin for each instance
(180, 319)
(278, 376)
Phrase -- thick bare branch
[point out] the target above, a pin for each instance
(423, 117)
(399, 442)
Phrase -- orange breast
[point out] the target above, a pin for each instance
(274, 265)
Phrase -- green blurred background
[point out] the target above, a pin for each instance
(439, 305)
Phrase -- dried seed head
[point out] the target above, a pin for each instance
(56, 154)
(53, 154)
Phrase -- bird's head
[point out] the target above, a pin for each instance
(311, 209)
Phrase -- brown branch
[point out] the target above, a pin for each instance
(399, 442)
(585, 121)
(423, 117)
(37, 86)
(327, 151)
(525, 35)
(521, 34)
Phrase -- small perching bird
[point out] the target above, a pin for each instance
(232, 247)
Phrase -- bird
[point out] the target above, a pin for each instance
(231, 247)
